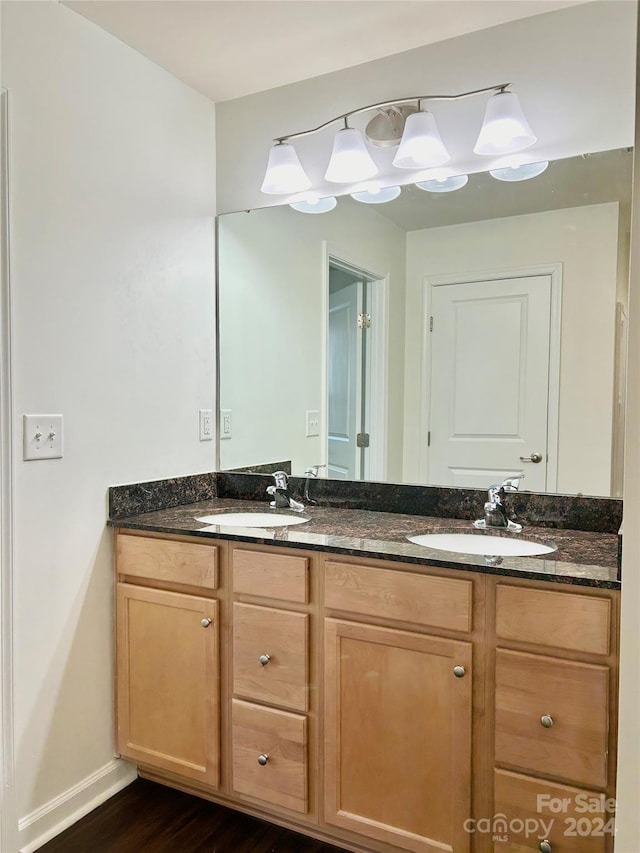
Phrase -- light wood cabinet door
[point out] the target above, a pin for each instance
(398, 736)
(168, 681)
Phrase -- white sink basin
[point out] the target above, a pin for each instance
(251, 519)
(478, 543)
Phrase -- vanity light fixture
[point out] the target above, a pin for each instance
(284, 171)
(375, 194)
(504, 129)
(403, 121)
(519, 171)
(312, 203)
(350, 161)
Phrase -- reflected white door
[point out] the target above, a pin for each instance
(490, 382)
(344, 382)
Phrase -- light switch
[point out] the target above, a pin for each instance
(313, 423)
(42, 437)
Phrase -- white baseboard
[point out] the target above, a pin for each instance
(58, 814)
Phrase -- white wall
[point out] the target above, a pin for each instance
(112, 184)
(574, 76)
(272, 266)
(585, 241)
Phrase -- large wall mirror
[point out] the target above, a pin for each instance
(445, 338)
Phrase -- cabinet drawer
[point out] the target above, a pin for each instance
(189, 563)
(560, 620)
(271, 575)
(281, 639)
(402, 596)
(575, 696)
(557, 813)
(279, 739)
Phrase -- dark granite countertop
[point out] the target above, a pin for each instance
(583, 558)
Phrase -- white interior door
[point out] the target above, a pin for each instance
(490, 382)
(344, 382)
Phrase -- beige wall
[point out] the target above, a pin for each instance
(585, 241)
(112, 187)
(272, 266)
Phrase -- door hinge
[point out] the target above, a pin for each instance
(362, 439)
(431, 324)
(364, 321)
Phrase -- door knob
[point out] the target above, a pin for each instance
(262, 759)
(264, 659)
(535, 457)
(205, 622)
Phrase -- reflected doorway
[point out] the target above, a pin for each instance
(354, 432)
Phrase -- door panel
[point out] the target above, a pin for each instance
(490, 381)
(345, 354)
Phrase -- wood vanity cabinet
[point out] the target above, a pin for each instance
(381, 706)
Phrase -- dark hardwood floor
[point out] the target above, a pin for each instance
(149, 818)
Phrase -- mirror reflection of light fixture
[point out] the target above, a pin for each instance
(421, 145)
(350, 161)
(312, 203)
(444, 184)
(375, 194)
(402, 121)
(504, 129)
(284, 171)
(519, 171)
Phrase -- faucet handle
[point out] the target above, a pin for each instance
(512, 484)
(312, 470)
(281, 478)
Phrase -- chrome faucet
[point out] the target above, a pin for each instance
(495, 511)
(282, 498)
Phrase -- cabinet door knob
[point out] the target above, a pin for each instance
(264, 659)
(545, 846)
(547, 722)
(262, 759)
(459, 671)
(205, 622)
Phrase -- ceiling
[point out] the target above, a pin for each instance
(230, 48)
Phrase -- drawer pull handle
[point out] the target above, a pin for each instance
(545, 846)
(205, 622)
(547, 722)
(459, 671)
(262, 759)
(264, 659)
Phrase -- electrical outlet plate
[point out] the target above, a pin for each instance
(206, 424)
(225, 423)
(42, 437)
(313, 423)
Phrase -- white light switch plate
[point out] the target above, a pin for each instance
(42, 437)
(206, 424)
(313, 423)
(226, 427)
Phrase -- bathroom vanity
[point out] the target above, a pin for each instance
(337, 679)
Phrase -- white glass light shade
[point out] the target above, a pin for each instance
(421, 145)
(377, 196)
(444, 185)
(504, 129)
(284, 173)
(519, 172)
(350, 161)
(313, 204)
